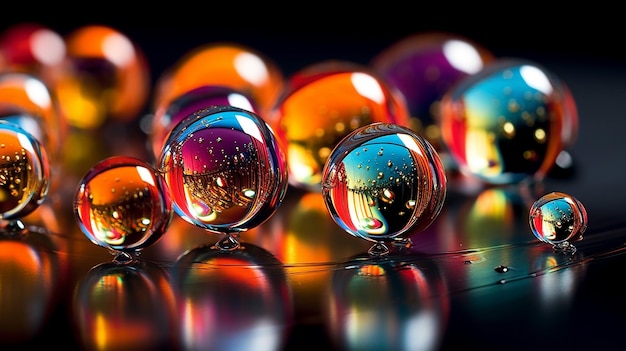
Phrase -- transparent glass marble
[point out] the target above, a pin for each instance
(507, 122)
(324, 102)
(107, 77)
(225, 171)
(223, 63)
(424, 66)
(558, 219)
(24, 177)
(123, 205)
(382, 183)
(168, 115)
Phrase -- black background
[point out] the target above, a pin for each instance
(301, 33)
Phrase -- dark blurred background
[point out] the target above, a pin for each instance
(301, 33)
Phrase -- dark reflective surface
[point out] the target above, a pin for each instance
(477, 278)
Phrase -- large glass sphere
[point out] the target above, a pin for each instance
(384, 182)
(224, 168)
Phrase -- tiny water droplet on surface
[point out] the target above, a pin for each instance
(502, 269)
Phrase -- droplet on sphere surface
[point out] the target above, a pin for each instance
(508, 122)
(558, 219)
(225, 170)
(122, 204)
(406, 199)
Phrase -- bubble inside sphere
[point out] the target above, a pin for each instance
(383, 181)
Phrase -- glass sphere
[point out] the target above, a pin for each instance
(108, 77)
(24, 175)
(424, 66)
(227, 64)
(558, 219)
(169, 114)
(122, 204)
(26, 95)
(384, 182)
(323, 103)
(32, 48)
(507, 122)
(224, 168)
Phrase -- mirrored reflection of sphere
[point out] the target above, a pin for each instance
(390, 304)
(508, 122)
(424, 66)
(557, 279)
(24, 176)
(225, 170)
(167, 115)
(558, 219)
(236, 300)
(384, 182)
(227, 64)
(108, 77)
(27, 101)
(323, 103)
(122, 204)
(29, 276)
(125, 307)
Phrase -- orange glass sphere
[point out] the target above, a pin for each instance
(28, 96)
(229, 64)
(324, 103)
(108, 77)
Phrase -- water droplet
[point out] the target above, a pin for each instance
(502, 269)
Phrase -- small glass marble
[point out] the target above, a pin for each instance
(225, 171)
(382, 183)
(122, 204)
(558, 219)
(24, 177)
